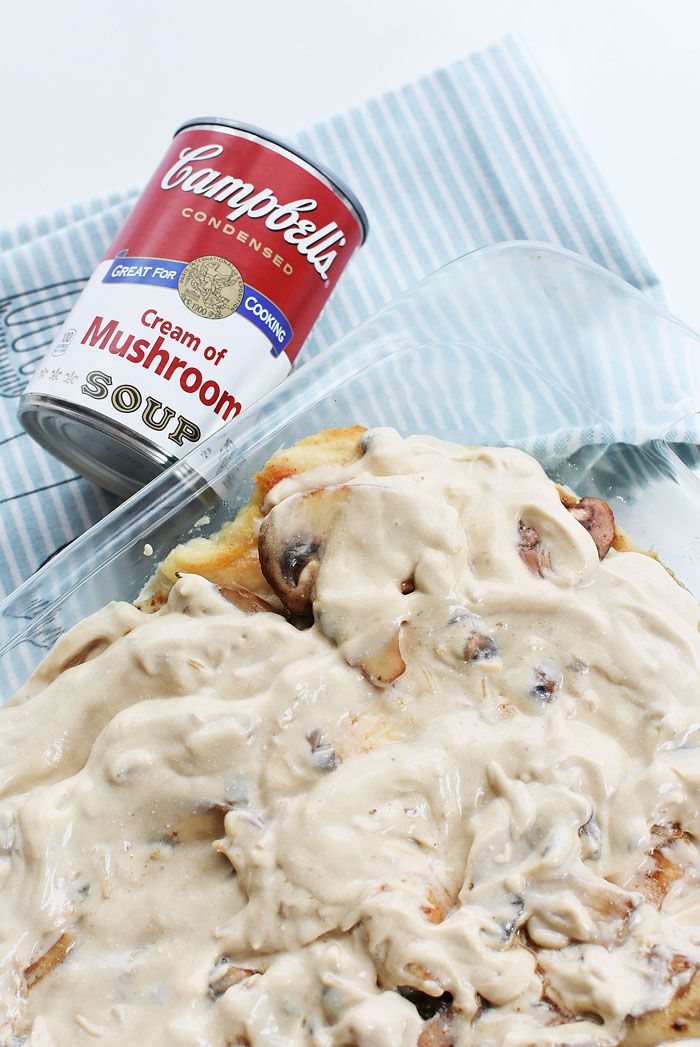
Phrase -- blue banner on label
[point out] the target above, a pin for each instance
(159, 272)
(267, 317)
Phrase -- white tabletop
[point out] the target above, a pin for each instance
(92, 91)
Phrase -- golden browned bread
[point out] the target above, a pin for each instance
(230, 557)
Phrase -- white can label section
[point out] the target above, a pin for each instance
(138, 355)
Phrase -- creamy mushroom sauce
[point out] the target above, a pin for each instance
(244, 840)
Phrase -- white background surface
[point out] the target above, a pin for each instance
(91, 91)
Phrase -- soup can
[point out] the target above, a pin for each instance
(199, 306)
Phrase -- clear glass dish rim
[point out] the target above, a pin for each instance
(136, 511)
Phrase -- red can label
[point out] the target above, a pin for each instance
(209, 290)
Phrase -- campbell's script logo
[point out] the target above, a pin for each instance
(318, 245)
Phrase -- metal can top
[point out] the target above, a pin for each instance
(336, 184)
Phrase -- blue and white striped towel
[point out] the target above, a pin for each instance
(476, 153)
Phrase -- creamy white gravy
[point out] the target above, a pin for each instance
(202, 798)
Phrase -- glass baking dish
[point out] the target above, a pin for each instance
(519, 343)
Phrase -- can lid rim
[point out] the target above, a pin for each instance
(39, 412)
(338, 184)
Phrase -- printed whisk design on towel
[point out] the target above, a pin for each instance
(47, 627)
(29, 322)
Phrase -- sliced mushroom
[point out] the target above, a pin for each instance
(530, 548)
(224, 975)
(544, 683)
(385, 664)
(597, 517)
(479, 648)
(513, 922)
(50, 959)
(246, 599)
(322, 751)
(591, 837)
(291, 543)
(438, 1032)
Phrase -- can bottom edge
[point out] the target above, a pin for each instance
(101, 450)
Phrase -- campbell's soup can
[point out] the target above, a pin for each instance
(199, 307)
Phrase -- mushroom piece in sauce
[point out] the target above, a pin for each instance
(291, 543)
(530, 548)
(593, 514)
(597, 517)
(385, 664)
(245, 599)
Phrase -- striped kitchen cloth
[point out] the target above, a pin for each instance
(473, 154)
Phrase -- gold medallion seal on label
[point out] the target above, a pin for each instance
(211, 286)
